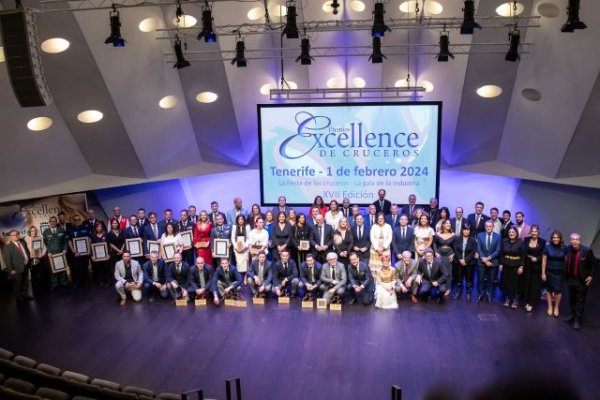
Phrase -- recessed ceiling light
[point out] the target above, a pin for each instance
(427, 85)
(1, 54)
(506, 9)
(431, 7)
(185, 21)
(167, 102)
(55, 45)
(207, 97)
(90, 116)
(401, 83)
(148, 25)
(266, 88)
(357, 5)
(548, 10)
(256, 13)
(39, 124)
(334, 83)
(279, 10)
(489, 91)
(358, 82)
(531, 94)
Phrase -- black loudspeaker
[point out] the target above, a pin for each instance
(23, 61)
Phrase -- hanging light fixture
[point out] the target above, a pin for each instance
(115, 29)
(180, 62)
(444, 52)
(573, 21)
(207, 31)
(240, 57)
(291, 28)
(469, 24)
(514, 37)
(379, 27)
(377, 56)
(304, 57)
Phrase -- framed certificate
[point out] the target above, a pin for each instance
(187, 238)
(36, 244)
(153, 246)
(82, 245)
(304, 245)
(100, 251)
(134, 245)
(58, 263)
(221, 248)
(169, 251)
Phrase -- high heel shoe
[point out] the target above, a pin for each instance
(507, 302)
(528, 308)
(556, 313)
(550, 311)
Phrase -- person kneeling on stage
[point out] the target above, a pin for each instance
(310, 277)
(361, 284)
(226, 281)
(333, 278)
(200, 279)
(285, 275)
(387, 283)
(260, 275)
(406, 268)
(155, 277)
(432, 276)
(178, 277)
(129, 277)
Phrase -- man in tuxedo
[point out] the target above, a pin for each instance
(80, 261)
(310, 276)
(141, 216)
(178, 277)
(371, 217)
(521, 226)
(120, 218)
(184, 225)
(260, 275)
(333, 278)
(55, 239)
(151, 231)
(226, 280)
(433, 211)
(393, 219)
(506, 223)
(220, 230)
(237, 209)
(496, 221)
(214, 212)
(91, 221)
(285, 275)
(431, 277)
(16, 261)
(361, 239)
(362, 284)
(281, 207)
(403, 238)
(354, 213)
(168, 219)
(410, 208)
(458, 221)
(201, 277)
(580, 272)
(477, 219)
(465, 258)
(407, 270)
(382, 204)
(192, 214)
(488, 248)
(322, 238)
(346, 210)
(129, 277)
(155, 277)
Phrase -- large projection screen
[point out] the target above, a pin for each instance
(349, 150)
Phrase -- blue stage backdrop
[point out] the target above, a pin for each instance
(348, 150)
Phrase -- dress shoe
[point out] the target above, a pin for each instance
(468, 297)
(576, 325)
(413, 299)
(506, 302)
(479, 298)
(515, 304)
(123, 302)
(569, 318)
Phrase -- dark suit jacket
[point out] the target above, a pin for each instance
(305, 274)
(399, 245)
(267, 273)
(463, 221)
(13, 258)
(493, 252)
(504, 231)
(162, 224)
(361, 278)
(207, 271)
(280, 273)
(182, 278)
(187, 226)
(389, 220)
(162, 271)
(368, 220)
(387, 206)
(234, 277)
(316, 236)
(405, 210)
(365, 240)
(586, 261)
(148, 234)
(470, 250)
(438, 271)
(130, 235)
(477, 229)
(211, 218)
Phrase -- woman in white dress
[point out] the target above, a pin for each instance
(385, 289)
(423, 235)
(170, 237)
(333, 216)
(240, 232)
(258, 239)
(381, 239)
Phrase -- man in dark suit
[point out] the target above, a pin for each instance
(311, 220)
(226, 280)
(281, 207)
(410, 208)
(155, 278)
(285, 275)
(506, 223)
(260, 275)
(371, 217)
(134, 231)
(201, 277)
(580, 272)
(361, 239)
(403, 238)
(151, 231)
(178, 277)
(322, 238)
(362, 284)
(346, 210)
(91, 221)
(465, 252)
(192, 214)
(407, 269)
(80, 261)
(185, 224)
(488, 248)
(333, 278)
(16, 259)
(142, 220)
(382, 204)
(458, 221)
(214, 211)
(433, 211)
(432, 276)
(310, 276)
(354, 213)
(168, 218)
(393, 219)
(477, 220)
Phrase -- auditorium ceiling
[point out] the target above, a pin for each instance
(552, 138)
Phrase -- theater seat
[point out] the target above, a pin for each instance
(48, 369)
(139, 391)
(9, 394)
(19, 385)
(106, 384)
(25, 361)
(83, 398)
(52, 394)
(2, 378)
(169, 396)
(115, 394)
(6, 354)
(75, 376)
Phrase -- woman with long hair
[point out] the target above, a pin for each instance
(532, 282)
(239, 237)
(512, 261)
(553, 271)
(101, 269)
(201, 237)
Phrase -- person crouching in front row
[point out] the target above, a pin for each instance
(432, 277)
(178, 277)
(226, 279)
(129, 277)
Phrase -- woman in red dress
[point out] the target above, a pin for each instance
(202, 237)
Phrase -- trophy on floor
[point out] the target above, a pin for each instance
(336, 303)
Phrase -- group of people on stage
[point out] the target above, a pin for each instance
(391, 253)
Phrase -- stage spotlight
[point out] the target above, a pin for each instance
(377, 57)
(179, 11)
(304, 57)
(513, 51)
(379, 27)
(115, 29)
(444, 53)
(240, 58)
(291, 28)
(335, 6)
(573, 21)
(180, 62)
(207, 31)
(469, 19)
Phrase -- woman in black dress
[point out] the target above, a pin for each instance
(116, 242)
(532, 284)
(443, 246)
(512, 258)
(465, 249)
(343, 242)
(253, 216)
(281, 234)
(101, 270)
(301, 232)
(553, 271)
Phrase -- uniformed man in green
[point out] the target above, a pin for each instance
(55, 239)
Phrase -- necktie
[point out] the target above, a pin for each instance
(312, 274)
(53, 231)
(381, 204)
(403, 233)
(285, 268)
(135, 231)
(178, 268)
(22, 252)
(457, 227)
(477, 222)
(155, 230)
(410, 210)
(429, 270)
(202, 281)
(333, 273)
(154, 273)
(260, 272)
(372, 220)
(489, 241)
(321, 228)
(359, 232)
(394, 221)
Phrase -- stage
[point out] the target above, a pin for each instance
(286, 352)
